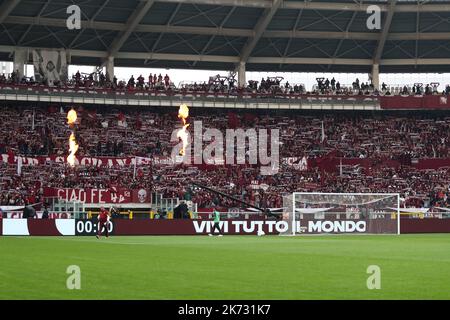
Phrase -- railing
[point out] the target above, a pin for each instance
(234, 100)
(81, 210)
(138, 97)
(75, 208)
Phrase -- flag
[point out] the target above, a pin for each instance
(19, 166)
(140, 161)
(323, 133)
(143, 161)
(122, 124)
(138, 124)
(304, 164)
(121, 120)
(32, 120)
(91, 114)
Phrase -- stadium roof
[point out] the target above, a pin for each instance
(268, 35)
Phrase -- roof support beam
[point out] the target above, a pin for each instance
(232, 3)
(94, 16)
(132, 23)
(384, 32)
(236, 59)
(297, 21)
(338, 47)
(161, 34)
(261, 26)
(31, 25)
(336, 6)
(211, 39)
(6, 8)
(231, 32)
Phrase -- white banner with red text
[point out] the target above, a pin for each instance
(112, 195)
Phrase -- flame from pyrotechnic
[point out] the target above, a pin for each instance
(183, 114)
(73, 146)
(72, 117)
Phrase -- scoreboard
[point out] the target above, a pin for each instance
(90, 227)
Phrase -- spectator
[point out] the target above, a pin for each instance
(45, 212)
(141, 82)
(167, 81)
(131, 82)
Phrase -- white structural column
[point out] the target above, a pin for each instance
(20, 60)
(376, 75)
(241, 75)
(110, 67)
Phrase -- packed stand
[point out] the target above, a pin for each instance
(119, 133)
(271, 87)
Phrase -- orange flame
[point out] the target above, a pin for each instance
(72, 117)
(183, 114)
(73, 146)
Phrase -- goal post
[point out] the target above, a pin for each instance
(336, 213)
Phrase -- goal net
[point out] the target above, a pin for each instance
(318, 213)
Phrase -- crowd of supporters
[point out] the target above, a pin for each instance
(388, 143)
(142, 133)
(419, 187)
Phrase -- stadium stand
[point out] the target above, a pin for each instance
(379, 152)
(270, 86)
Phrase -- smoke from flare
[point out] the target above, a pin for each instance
(183, 114)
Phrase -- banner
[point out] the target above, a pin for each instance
(86, 161)
(415, 102)
(327, 163)
(52, 215)
(71, 227)
(432, 163)
(99, 196)
(50, 66)
(298, 163)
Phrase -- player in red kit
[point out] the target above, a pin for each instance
(103, 219)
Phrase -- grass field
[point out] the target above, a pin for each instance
(231, 267)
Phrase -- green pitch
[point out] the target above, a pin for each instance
(231, 267)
